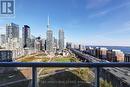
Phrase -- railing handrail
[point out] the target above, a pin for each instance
(66, 64)
(34, 65)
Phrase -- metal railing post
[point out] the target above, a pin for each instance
(97, 77)
(34, 77)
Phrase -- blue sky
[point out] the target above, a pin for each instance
(92, 22)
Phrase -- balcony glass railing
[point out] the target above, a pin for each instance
(35, 66)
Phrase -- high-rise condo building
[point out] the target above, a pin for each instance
(55, 45)
(61, 39)
(49, 38)
(12, 31)
(26, 36)
(43, 44)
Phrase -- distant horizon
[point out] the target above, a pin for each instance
(94, 22)
(108, 45)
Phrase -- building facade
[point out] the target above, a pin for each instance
(61, 39)
(103, 53)
(109, 55)
(26, 36)
(12, 31)
(55, 44)
(38, 44)
(127, 58)
(5, 55)
(117, 56)
(49, 41)
(68, 45)
(44, 44)
(49, 38)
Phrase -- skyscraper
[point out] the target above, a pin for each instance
(43, 44)
(26, 36)
(55, 45)
(49, 38)
(32, 41)
(12, 31)
(61, 39)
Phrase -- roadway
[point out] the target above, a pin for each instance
(122, 73)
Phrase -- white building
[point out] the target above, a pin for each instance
(12, 31)
(15, 45)
(118, 55)
(38, 44)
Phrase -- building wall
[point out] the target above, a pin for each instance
(61, 39)
(103, 53)
(117, 56)
(109, 55)
(49, 41)
(127, 58)
(6, 55)
(12, 31)
(26, 36)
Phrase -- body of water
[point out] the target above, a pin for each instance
(125, 49)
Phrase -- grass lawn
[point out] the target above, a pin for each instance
(65, 59)
(32, 59)
(61, 60)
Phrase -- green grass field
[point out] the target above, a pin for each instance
(65, 59)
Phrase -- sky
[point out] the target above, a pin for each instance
(89, 22)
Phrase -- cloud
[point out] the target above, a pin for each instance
(102, 13)
(92, 4)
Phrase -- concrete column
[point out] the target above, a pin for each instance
(97, 77)
(34, 77)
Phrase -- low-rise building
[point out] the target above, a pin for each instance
(103, 53)
(82, 47)
(97, 49)
(68, 45)
(117, 56)
(109, 55)
(5, 55)
(127, 58)
(91, 51)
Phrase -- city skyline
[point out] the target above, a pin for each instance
(97, 22)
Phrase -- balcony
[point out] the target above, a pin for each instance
(35, 65)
